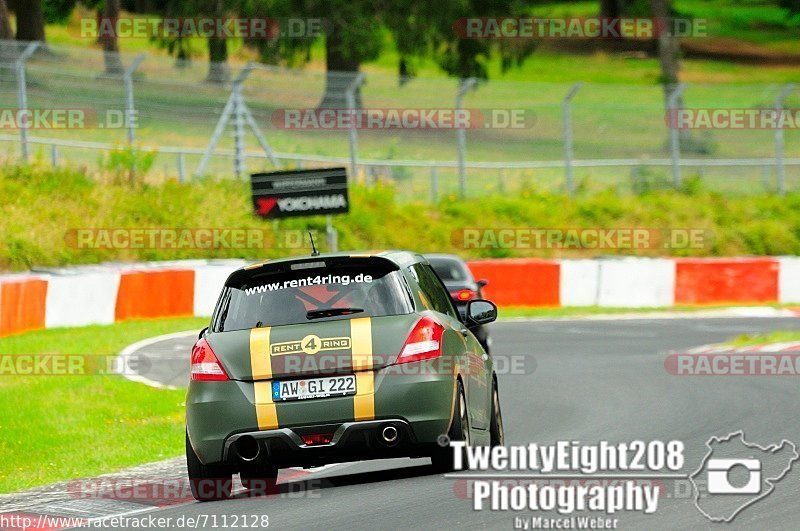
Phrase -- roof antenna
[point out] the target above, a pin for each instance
(314, 251)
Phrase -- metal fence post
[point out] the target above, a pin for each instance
(332, 235)
(434, 184)
(22, 95)
(238, 129)
(181, 167)
(239, 110)
(674, 134)
(566, 112)
(130, 108)
(54, 155)
(350, 96)
(779, 170)
(461, 136)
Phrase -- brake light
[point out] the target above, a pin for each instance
(464, 295)
(317, 439)
(424, 342)
(205, 365)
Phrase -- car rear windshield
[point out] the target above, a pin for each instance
(450, 270)
(311, 292)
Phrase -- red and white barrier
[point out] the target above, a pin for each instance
(114, 292)
(81, 297)
(642, 282)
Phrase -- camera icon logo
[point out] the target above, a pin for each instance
(719, 476)
(736, 474)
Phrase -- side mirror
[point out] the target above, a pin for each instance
(202, 333)
(481, 313)
(482, 283)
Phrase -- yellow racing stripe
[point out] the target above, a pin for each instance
(266, 410)
(364, 401)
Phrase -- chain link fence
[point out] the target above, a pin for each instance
(165, 117)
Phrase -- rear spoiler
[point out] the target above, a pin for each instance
(247, 274)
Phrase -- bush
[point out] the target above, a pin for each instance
(41, 206)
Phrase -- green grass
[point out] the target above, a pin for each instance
(759, 339)
(34, 227)
(61, 427)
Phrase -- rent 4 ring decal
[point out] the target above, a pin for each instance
(311, 344)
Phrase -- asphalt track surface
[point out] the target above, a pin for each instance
(586, 381)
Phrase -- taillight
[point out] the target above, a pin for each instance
(464, 295)
(424, 342)
(205, 365)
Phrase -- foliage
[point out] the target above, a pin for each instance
(33, 228)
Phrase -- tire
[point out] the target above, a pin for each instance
(262, 481)
(496, 431)
(208, 482)
(459, 431)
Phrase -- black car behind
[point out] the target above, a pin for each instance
(462, 286)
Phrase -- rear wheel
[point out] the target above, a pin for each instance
(459, 431)
(498, 437)
(208, 482)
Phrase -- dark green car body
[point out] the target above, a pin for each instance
(236, 423)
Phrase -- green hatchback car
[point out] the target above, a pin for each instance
(333, 358)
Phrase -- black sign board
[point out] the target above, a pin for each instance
(284, 194)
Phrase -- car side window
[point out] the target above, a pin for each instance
(434, 290)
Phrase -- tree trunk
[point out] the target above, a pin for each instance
(668, 46)
(341, 71)
(30, 20)
(6, 33)
(668, 56)
(609, 9)
(218, 70)
(111, 57)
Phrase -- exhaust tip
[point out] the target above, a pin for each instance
(248, 449)
(390, 435)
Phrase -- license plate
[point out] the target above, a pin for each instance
(314, 388)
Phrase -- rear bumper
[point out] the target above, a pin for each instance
(218, 414)
(352, 441)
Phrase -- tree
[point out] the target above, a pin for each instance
(792, 7)
(351, 30)
(218, 69)
(610, 8)
(668, 48)
(6, 33)
(57, 11)
(357, 32)
(30, 19)
(111, 58)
